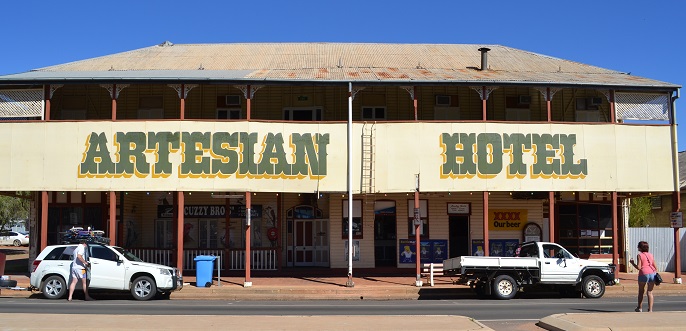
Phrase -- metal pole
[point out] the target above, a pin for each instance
(676, 196)
(350, 186)
(219, 270)
(417, 237)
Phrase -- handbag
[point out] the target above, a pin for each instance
(658, 278)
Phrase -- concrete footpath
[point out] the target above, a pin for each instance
(334, 288)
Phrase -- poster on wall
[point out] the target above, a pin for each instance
(356, 250)
(408, 252)
(478, 247)
(503, 247)
(430, 251)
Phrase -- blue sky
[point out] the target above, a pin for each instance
(643, 38)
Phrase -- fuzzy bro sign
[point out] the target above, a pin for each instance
(467, 155)
(205, 155)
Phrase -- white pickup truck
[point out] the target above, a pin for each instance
(538, 264)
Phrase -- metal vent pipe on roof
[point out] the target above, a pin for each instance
(484, 57)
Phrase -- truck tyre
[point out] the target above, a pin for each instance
(54, 287)
(143, 288)
(593, 287)
(504, 287)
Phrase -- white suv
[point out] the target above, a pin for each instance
(112, 268)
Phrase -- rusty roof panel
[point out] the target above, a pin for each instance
(321, 62)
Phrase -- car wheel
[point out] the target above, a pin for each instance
(143, 288)
(504, 287)
(593, 287)
(17, 243)
(54, 287)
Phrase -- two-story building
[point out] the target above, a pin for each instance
(254, 149)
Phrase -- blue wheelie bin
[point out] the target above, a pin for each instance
(204, 266)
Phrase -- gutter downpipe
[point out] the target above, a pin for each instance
(676, 198)
(350, 283)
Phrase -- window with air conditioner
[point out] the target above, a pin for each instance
(588, 109)
(517, 108)
(228, 114)
(373, 113)
(303, 114)
(150, 107)
(232, 100)
(444, 100)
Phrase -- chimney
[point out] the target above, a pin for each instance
(484, 57)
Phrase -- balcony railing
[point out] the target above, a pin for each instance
(262, 259)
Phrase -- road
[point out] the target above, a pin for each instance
(517, 314)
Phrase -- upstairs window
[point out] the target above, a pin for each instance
(303, 114)
(373, 113)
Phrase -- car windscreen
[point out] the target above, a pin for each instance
(128, 255)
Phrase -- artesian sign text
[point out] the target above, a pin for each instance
(205, 155)
(466, 155)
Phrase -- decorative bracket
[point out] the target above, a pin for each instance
(186, 88)
(244, 89)
(54, 88)
(114, 93)
(544, 92)
(410, 90)
(607, 94)
(355, 90)
(484, 91)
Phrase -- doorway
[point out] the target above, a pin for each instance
(311, 243)
(458, 235)
(385, 244)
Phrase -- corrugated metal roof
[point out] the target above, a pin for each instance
(333, 62)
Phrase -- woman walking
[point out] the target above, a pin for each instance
(646, 274)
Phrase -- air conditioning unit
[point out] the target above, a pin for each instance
(233, 100)
(595, 101)
(443, 100)
(524, 99)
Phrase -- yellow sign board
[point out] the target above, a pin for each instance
(507, 219)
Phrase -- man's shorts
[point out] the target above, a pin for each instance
(649, 278)
(78, 273)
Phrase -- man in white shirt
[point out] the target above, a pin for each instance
(78, 270)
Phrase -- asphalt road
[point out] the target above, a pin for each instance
(482, 310)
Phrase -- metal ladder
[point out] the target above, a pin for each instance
(368, 159)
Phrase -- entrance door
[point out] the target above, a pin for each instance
(458, 235)
(385, 249)
(311, 239)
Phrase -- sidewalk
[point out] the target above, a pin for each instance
(398, 288)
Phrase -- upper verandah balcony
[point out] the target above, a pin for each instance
(329, 103)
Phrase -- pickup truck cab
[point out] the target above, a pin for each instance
(112, 268)
(538, 264)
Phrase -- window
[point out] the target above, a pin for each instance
(587, 109)
(357, 219)
(373, 113)
(517, 108)
(302, 114)
(586, 228)
(103, 253)
(150, 108)
(228, 114)
(443, 100)
(423, 216)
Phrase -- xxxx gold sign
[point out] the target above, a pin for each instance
(205, 155)
(507, 219)
(466, 155)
